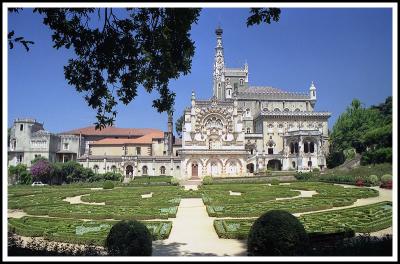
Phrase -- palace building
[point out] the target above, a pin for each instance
(239, 131)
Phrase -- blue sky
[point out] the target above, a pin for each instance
(347, 52)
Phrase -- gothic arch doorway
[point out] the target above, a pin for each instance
(129, 171)
(195, 170)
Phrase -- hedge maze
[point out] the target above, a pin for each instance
(77, 231)
(258, 200)
(362, 219)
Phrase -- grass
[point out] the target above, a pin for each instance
(362, 219)
(77, 231)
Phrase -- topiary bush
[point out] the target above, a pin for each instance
(385, 178)
(108, 185)
(277, 233)
(373, 180)
(129, 238)
(207, 180)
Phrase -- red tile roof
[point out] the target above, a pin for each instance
(146, 139)
(111, 131)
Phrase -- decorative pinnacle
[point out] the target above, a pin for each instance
(193, 96)
(218, 31)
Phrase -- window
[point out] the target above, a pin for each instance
(241, 81)
(311, 147)
(291, 148)
(96, 168)
(66, 146)
(265, 109)
(309, 163)
(229, 91)
(313, 93)
(21, 127)
(248, 130)
(37, 156)
(296, 147)
(306, 147)
(297, 110)
(144, 170)
(164, 152)
(270, 151)
(286, 110)
(293, 164)
(277, 110)
(177, 167)
(137, 150)
(113, 168)
(19, 158)
(248, 112)
(162, 170)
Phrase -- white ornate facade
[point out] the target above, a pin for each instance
(245, 129)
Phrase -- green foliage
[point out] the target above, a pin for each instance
(274, 182)
(304, 176)
(207, 180)
(367, 130)
(129, 238)
(113, 176)
(178, 125)
(265, 15)
(373, 180)
(25, 178)
(277, 233)
(386, 178)
(334, 158)
(375, 156)
(349, 153)
(108, 185)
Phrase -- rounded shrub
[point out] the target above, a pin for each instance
(275, 182)
(207, 180)
(108, 185)
(129, 238)
(385, 178)
(373, 180)
(277, 233)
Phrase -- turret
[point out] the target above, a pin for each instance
(218, 66)
(313, 94)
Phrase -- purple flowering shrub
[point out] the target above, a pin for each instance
(41, 171)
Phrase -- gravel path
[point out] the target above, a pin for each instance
(193, 234)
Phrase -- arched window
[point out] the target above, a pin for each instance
(277, 110)
(293, 164)
(113, 168)
(162, 170)
(241, 81)
(248, 130)
(310, 164)
(144, 170)
(296, 147)
(291, 148)
(311, 147)
(96, 168)
(305, 147)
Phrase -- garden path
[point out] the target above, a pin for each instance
(193, 234)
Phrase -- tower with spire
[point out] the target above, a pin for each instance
(218, 65)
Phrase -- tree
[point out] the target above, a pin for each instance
(179, 124)
(18, 171)
(143, 46)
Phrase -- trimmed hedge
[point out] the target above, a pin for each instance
(108, 185)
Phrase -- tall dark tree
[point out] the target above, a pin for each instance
(179, 124)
